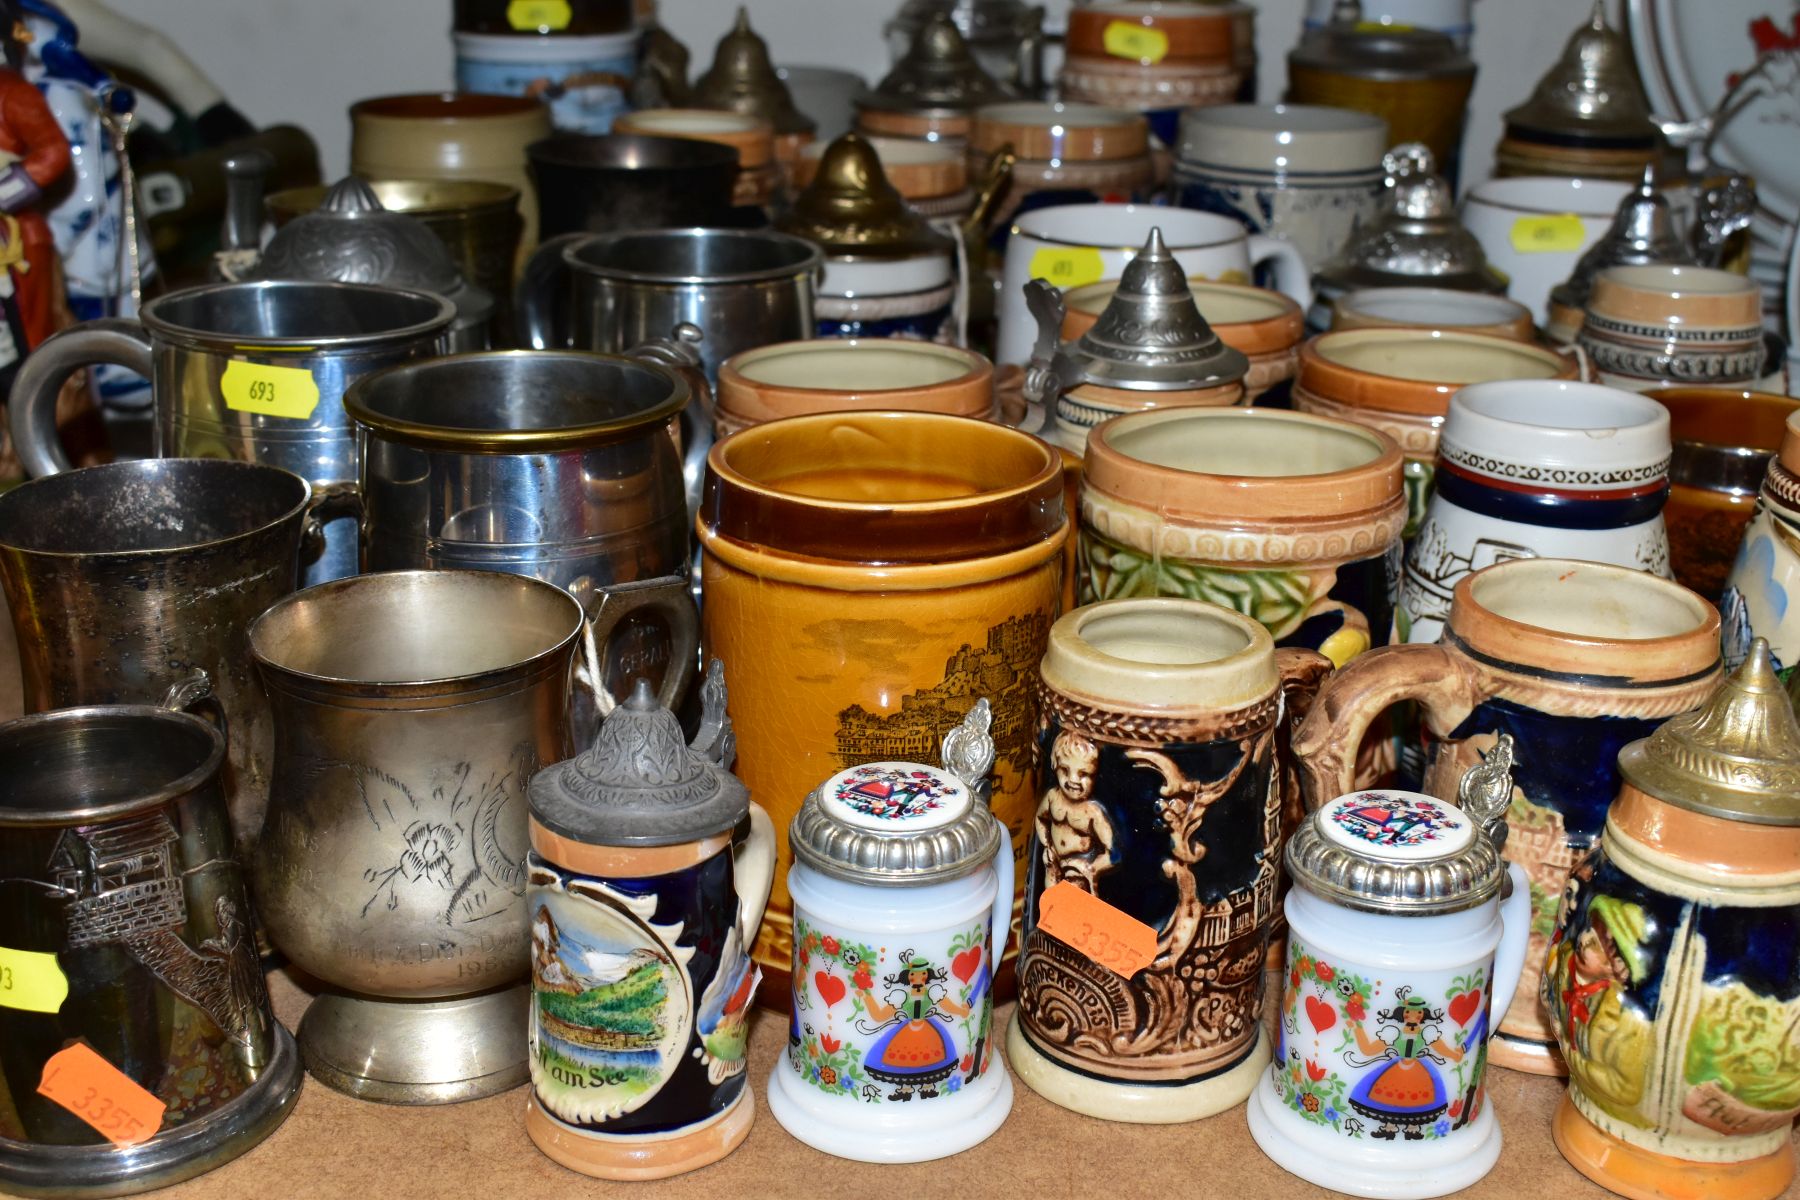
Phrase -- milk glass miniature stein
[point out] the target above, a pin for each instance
(902, 887)
(1404, 941)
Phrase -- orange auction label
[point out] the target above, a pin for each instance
(123, 1113)
(1125, 39)
(1116, 940)
(1559, 233)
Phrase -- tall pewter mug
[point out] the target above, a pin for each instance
(410, 709)
(120, 576)
(127, 926)
(248, 371)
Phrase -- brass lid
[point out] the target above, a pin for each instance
(1592, 94)
(850, 210)
(937, 74)
(743, 79)
(1736, 757)
(1351, 46)
(1416, 239)
(1642, 232)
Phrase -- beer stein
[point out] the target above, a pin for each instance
(642, 915)
(1407, 933)
(902, 887)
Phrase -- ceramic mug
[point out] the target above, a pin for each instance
(1064, 153)
(1537, 468)
(1453, 17)
(1534, 229)
(1289, 518)
(1085, 243)
(1307, 174)
(914, 297)
(584, 78)
(791, 379)
(1158, 58)
(1146, 699)
(1756, 602)
(1650, 326)
(1400, 381)
(868, 577)
(1574, 660)
(1433, 308)
(759, 177)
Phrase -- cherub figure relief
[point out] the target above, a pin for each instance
(1072, 827)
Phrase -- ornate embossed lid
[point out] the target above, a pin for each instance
(743, 79)
(1592, 94)
(1642, 231)
(641, 783)
(1404, 852)
(1736, 757)
(937, 75)
(850, 210)
(905, 824)
(1416, 239)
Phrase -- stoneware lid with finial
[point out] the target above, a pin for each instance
(850, 210)
(937, 75)
(1642, 231)
(1737, 756)
(641, 783)
(1416, 239)
(1592, 94)
(742, 79)
(905, 824)
(1389, 851)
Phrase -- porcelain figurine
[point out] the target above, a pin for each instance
(1407, 934)
(34, 156)
(642, 916)
(902, 883)
(1674, 972)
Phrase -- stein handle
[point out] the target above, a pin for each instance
(1291, 274)
(1584, 362)
(327, 503)
(1003, 899)
(1333, 731)
(193, 690)
(667, 594)
(753, 866)
(112, 341)
(1515, 940)
(1300, 673)
(678, 353)
(539, 299)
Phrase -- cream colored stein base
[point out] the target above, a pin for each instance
(891, 1133)
(641, 1156)
(1135, 1103)
(418, 1051)
(1403, 1171)
(1524, 1054)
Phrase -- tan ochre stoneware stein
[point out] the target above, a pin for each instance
(869, 576)
(1573, 660)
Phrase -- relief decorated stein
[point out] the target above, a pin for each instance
(1756, 600)
(1572, 659)
(1407, 933)
(1650, 326)
(1161, 797)
(1674, 972)
(902, 884)
(642, 915)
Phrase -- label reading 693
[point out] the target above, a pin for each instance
(268, 390)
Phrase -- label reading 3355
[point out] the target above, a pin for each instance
(120, 1110)
(269, 391)
(1116, 940)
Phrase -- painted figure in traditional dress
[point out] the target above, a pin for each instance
(917, 1054)
(1408, 1094)
(1072, 827)
(1591, 976)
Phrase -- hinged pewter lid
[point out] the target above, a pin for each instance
(352, 238)
(850, 210)
(1737, 756)
(641, 783)
(1408, 853)
(1642, 232)
(1348, 45)
(743, 80)
(903, 824)
(1592, 94)
(938, 75)
(1149, 337)
(1416, 238)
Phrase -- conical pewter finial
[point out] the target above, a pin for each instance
(1642, 231)
(742, 79)
(851, 210)
(937, 75)
(1591, 93)
(1735, 757)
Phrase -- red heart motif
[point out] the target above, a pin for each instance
(963, 966)
(1463, 1007)
(1321, 1014)
(831, 988)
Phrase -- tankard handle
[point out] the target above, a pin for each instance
(753, 867)
(666, 594)
(697, 423)
(192, 691)
(1003, 898)
(1300, 673)
(1291, 274)
(540, 302)
(110, 341)
(327, 503)
(1515, 939)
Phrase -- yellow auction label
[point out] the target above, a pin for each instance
(1123, 39)
(539, 14)
(31, 980)
(1068, 266)
(1546, 235)
(269, 391)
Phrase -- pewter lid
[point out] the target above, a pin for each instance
(937, 75)
(850, 210)
(742, 79)
(1736, 757)
(1642, 232)
(1417, 237)
(641, 783)
(1592, 94)
(901, 824)
(1348, 45)
(1404, 852)
(977, 20)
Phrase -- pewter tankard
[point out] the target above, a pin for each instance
(249, 371)
(121, 576)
